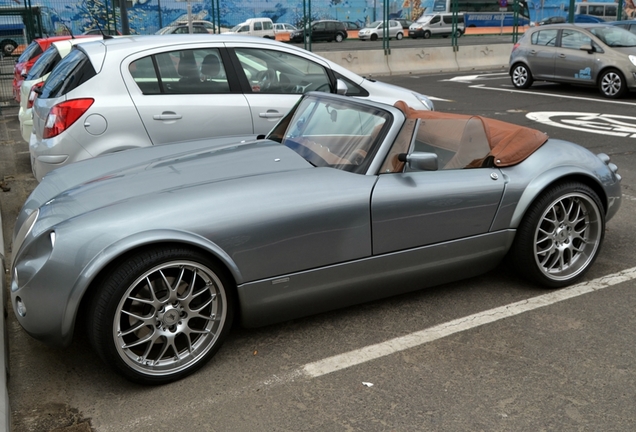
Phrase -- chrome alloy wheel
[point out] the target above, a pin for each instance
(520, 76)
(567, 236)
(169, 318)
(611, 84)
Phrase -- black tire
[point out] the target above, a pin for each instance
(458, 34)
(374, 37)
(399, 36)
(8, 47)
(339, 37)
(521, 76)
(155, 333)
(612, 84)
(426, 35)
(560, 235)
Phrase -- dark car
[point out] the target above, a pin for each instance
(324, 30)
(629, 25)
(405, 23)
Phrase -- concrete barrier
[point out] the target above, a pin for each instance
(422, 60)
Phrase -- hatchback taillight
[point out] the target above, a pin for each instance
(515, 46)
(33, 94)
(63, 115)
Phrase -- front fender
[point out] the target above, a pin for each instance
(130, 243)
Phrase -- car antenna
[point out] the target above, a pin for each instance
(99, 27)
(70, 32)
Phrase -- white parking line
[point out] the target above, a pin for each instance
(372, 352)
(511, 90)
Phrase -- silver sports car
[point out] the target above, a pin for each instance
(345, 201)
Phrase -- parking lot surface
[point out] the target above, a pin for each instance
(567, 365)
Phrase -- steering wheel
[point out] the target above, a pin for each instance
(266, 78)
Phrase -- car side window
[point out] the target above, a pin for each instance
(258, 26)
(544, 38)
(574, 39)
(267, 25)
(270, 71)
(435, 19)
(199, 71)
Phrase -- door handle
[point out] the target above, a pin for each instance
(270, 114)
(562, 55)
(167, 116)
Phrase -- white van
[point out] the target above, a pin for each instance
(605, 11)
(261, 27)
(437, 24)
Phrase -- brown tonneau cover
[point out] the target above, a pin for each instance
(475, 137)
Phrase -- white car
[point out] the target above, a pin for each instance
(375, 30)
(38, 74)
(140, 91)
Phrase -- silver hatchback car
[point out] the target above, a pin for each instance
(134, 92)
(589, 54)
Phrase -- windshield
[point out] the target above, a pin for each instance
(425, 18)
(336, 134)
(614, 36)
(375, 24)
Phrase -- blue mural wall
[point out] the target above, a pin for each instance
(147, 16)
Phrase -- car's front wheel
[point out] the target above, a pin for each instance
(374, 37)
(612, 84)
(521, 76)
(427, 34)
(161, 314)
(560, 235)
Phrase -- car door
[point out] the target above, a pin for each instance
(435, 24)
(319, 31)
(273, 80)
(176, 102)
(541, 53)
(573, 64)
(410, 209)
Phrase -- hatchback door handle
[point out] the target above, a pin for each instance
(167, 116)
(270, 114)
(562, 55)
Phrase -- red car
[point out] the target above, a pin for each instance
(28, 58)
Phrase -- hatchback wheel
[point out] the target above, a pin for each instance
(560, 235)
(161, 314)
(339, 38)
(399, 36)
(521, 76)
(612, 84)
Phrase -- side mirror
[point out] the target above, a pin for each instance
(341, 87)
(587, 48)
(419, 161)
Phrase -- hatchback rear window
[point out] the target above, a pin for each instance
(33, 50)
(44, 64)
(74, 70)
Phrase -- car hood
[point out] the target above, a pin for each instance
(60, 198)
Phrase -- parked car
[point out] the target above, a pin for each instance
(260, 27)
(438, 24)
(629, 25)
(183, 29)
(404, 22)
(84, 112)
(284, 28)
(325, 30)
(588, 54)
(28, 57)
(375, 30)
(38, 74)
(350, 25)
(344, 201)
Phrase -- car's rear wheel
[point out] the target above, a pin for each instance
(161, 314)
(560, 235)
(399, 36)
(612, 84)
(339, 38)
(521, 76)
(8, 47)
(427, 34)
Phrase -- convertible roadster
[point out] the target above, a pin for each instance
(345, 201)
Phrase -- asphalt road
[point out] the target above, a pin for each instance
(566, 366)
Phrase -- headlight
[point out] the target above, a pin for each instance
(24, 231)
(632, 58)
(425, 101)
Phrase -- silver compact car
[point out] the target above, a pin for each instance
(598, 55)
(124, 93)
(345, 201)
(375, 30)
